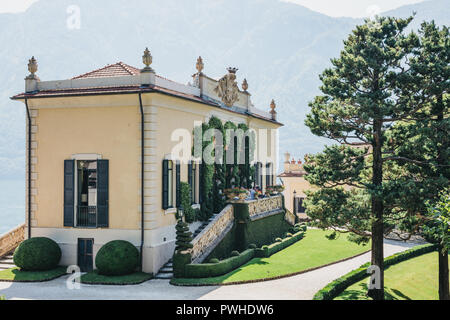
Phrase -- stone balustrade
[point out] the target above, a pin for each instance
(265, 205)
(214, 232)
(10, 240)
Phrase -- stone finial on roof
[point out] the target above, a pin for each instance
(147, 59)
(245, 85)
(32, 68)
(199, 65)
(272, 110)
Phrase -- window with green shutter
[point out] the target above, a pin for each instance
(86, 193)
(167, 184)
(69, 192)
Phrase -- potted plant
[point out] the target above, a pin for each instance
(242, 193)
(270, 190)
(230, 193)
(279, 188)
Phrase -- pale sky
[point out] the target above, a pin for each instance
(334, 8)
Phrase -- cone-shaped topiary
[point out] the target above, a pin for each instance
(36, 254)
(184, 236)
(117, 257)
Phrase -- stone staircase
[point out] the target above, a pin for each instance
(203, 226)
(166, 272)
(6, 262)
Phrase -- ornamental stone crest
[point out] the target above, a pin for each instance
(227, 89)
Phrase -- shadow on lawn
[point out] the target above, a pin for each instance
(360, 294)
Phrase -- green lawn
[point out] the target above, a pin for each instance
(414, 279)
(15, 274)
(134, 278)
(313, 251)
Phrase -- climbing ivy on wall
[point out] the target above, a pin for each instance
(217, 177)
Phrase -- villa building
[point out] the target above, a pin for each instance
(295, 184)
(100, 161)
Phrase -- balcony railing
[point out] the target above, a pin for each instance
(87, 216)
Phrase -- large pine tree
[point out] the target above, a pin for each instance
(369, 88)
(421, 146)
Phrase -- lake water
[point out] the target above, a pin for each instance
(12, 204)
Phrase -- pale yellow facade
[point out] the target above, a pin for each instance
(108, 126)
(295, 184)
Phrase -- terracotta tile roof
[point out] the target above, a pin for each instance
(292, 174)
(122, 69)
(111, 70)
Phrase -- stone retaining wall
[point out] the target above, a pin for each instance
(212, 234)
(10, 240)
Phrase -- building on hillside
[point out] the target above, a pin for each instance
(295, 184)
(100, 162)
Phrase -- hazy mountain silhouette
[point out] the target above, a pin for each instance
(279, 47)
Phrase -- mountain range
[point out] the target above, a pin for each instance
(279, 47)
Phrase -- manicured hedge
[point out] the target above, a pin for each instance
(204, 270)
(334, 288)
(267, 251)
(117, 257)
(37, 254)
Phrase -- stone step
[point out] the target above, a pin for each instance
(7, 261)
(6, 266)
(169, 264)
(166, 276)
(166, 270)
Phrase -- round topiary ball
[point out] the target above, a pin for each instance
(252, 246)
(288, 234)
(117, 257)
(278, 240)
(37, 254)
(214, 260)
(234, 253)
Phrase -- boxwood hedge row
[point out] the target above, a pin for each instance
(334, 288)
(205, 270)
(267, 251)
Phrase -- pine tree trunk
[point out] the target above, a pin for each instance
(377, 258)
(444, 293)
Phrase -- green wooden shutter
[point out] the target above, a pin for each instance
(190, 173)
(178, 184)
(165, 185)
(200, 196)
(69, 192)
(102, 193)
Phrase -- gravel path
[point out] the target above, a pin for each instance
(302, 286)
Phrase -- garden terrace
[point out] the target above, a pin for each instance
(241, 210)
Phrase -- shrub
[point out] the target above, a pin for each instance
(252, 246)
(180, 260)
(36, 254)
(183, 236)
(267, 251)
(234, 253)
(117, 257)
(189, 213)
(214, 260)
(205, 270)
(288, 234)
(278, 239)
